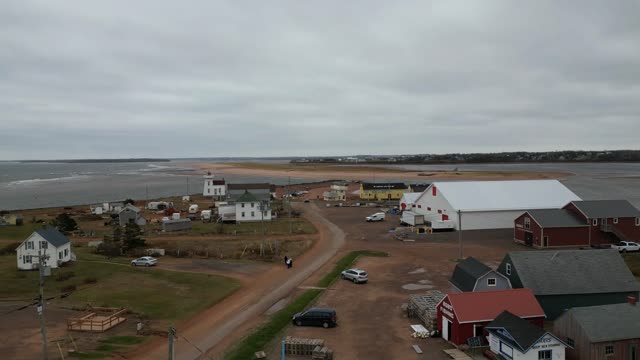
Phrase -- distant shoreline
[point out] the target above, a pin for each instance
(86, 161)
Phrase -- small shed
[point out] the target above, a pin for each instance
(472, 275)
(13, 219)
(131, 214)
(176, 225)
(601, 332)
(465, 315)
(517, 339)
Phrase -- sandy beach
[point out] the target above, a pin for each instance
(357, 172)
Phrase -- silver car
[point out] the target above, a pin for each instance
(355, 275)
(144, 261)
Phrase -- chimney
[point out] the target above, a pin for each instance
(632, 300)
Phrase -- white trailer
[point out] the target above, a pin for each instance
(206, 215)
(437, 224)
(193, 209)
(411, 218)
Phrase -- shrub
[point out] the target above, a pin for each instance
(68, 288)
(9, 248)
(62, 276)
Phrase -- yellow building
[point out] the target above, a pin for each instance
(379, 191)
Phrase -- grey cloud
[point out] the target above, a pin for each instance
(115, 78)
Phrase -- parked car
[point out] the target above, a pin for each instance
(324, 317)
(379, 216)
(355, 275)
(306, 200)
(626, 246)
(144, 261)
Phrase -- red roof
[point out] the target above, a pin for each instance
(487, 305)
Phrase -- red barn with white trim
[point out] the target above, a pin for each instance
(464, 315)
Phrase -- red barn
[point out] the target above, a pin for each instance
(579, 223)
(464, 315)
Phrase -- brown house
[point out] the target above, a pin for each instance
(579, 223)
(601, 332)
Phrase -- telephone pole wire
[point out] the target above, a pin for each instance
(42, 263)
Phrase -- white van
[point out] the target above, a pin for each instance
(379, 216)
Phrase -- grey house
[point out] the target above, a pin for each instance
(601, 332)
(176, 225)
(471, 275)
(564, 279)
(130, 214)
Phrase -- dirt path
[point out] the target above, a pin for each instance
(209, 328)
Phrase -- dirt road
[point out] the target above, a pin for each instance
(209, 328)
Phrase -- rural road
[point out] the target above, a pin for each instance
(210, 327)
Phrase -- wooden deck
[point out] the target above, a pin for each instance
(457, 354)
(97, 320)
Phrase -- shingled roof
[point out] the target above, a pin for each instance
(53, 236)
(520, 333)
(560, 272)
(606, 208)
(608, 322)
(553, 218)
(467, 273)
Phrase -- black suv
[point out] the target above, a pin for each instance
(316, 317)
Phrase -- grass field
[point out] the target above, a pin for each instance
(152, 292)
(278, 226)
(633, 262)
(17, 233)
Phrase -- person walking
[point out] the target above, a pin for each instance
(290, 263)
(286, 261)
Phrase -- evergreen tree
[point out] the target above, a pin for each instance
(64, 223)
(132, 238)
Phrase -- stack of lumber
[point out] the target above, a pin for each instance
(301, 346)
(322, 353)
(424, 307)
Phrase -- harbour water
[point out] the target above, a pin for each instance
(36, 185)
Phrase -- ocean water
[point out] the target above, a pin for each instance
(36, 185)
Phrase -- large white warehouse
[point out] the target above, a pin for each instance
(490, 204)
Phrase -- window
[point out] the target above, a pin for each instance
(265, 213)
(26, 259)
(544, 355)
(208, 191)
(491, 282)
(29, 245)
(571, 342)
(428, 208)
(508, 270)
(595, 222)
(60, 255)
(66, 252)
(506, 350)
(253, 214)
(43, 244)
(251, 204)
(615, 220)
(242, 205)
(638, 221)
(545, 241)
(527, 223)
(243, 214)
(608, 350)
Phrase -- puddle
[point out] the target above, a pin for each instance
(416, 286)
(418, 271)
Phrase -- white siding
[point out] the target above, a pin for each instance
(428, 205)
(213, 190)
(252, 213)
(547, 343)
(488, 219)
(33, 251)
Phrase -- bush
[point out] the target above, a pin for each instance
(68, 288)
(63, 276)
(90, 280)
(9, 248)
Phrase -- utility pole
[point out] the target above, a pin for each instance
(289, 203)
(172, 333)
(42, 263)
(262, 223)
(460, 232)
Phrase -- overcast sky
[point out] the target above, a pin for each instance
(96, 79)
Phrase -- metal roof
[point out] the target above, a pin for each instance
(53, 236)
(247, 197)
(550, 218)
(608, 322)
(607, 208)
(521, 332)
(411, 197)
(487, 305)
(265, 186)
(504, 195)
(563, 272)
(467, 273)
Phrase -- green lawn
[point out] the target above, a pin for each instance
(278, 226)
(152, 292)
(17, 233)
(633, 262)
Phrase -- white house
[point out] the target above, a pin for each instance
(514, 338)
(338, 192)
(408, 200)
(47, 241)
(251, 208)
(490, 204)
(214, 188)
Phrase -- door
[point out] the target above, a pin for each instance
(446, 329)
(528, 238)
(633, 352)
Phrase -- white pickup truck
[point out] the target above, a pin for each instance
(626, 246)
